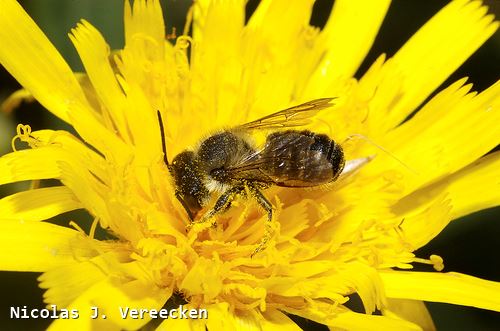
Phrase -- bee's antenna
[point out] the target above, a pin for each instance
(163, 143)
(357, 135)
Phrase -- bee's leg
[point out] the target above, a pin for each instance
(222, 204)
(225, 200)
(268, 207)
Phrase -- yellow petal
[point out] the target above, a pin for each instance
(271, 15)
(341, 51)
(111, 298)
(421, 225)
(362, 322)
(60, 155)
(471, 189)
(436, 51)
(39, 204)
(334, 285)
(448, 133)
(221, 318)
(30, 164)
(276, 36)
(140, 115)
(96, 134)
(145, 18)
(14, 100)
(143, 62)
(452, 287)
(210, 285)
(30, 57)
(218, 54)
(276, 320)
(55, 162)
(134, 294)
(86, 188)
(476, 187)
(35, 246)
(343, 319)
(65, 283)
(410, 310)
(82, 305)
(94, 53)
(78, 152)
(182, 325)
(82, 323)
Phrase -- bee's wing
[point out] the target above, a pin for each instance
(295, 116)
(261, 165)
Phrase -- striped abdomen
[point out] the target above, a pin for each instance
(301, 158)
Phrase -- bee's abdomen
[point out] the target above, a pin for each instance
(302, 158)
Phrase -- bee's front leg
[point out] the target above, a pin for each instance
(221, 205)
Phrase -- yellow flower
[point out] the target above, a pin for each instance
(356, 236)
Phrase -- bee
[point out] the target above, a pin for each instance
(228, 164)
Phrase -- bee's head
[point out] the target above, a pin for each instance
(189, 186)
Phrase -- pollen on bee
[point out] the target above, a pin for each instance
(215, 186)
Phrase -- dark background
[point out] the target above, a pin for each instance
(469, 245)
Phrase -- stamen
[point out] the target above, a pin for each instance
(24, 134)
(93, 228)
(77, 227)
(183, 42)
(189, 20)
(435, 260)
